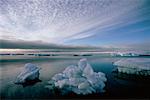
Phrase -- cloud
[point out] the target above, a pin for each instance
(21, 44)
(58, 21)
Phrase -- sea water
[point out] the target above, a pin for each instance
(116, 87)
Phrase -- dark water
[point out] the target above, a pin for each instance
(116, 87)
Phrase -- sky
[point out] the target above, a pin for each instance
(76, 22)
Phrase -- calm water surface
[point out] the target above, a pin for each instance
(115, 87)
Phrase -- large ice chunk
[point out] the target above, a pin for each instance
(29, 72)
(79, 79)
(138, 66)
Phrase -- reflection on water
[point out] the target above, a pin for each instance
(30, 82)
(115, 87)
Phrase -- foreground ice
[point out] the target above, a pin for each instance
(29, 72)
(79, 79)
(138, 66)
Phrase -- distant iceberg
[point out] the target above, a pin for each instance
(79, 79)
(124, 54)
(138, 66)
(29, 72)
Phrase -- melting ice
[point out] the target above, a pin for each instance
(80, 79)
(29, 72)
(140, 66)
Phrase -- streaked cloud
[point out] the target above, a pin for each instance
(67, 21)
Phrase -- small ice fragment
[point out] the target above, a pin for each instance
(29, 72)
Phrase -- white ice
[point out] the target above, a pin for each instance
(29, 72)
(124, 54)
(139, 66)
(80, 79)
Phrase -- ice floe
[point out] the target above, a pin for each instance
(138, 66)
(29, 72)
(124, 54)
(80, 79)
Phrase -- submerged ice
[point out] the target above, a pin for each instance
(29, 72)
(80, 79)
(138, 66)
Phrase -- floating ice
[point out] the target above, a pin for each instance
(79, 79)
(124, 54)
(138, 66)
(29, 72)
